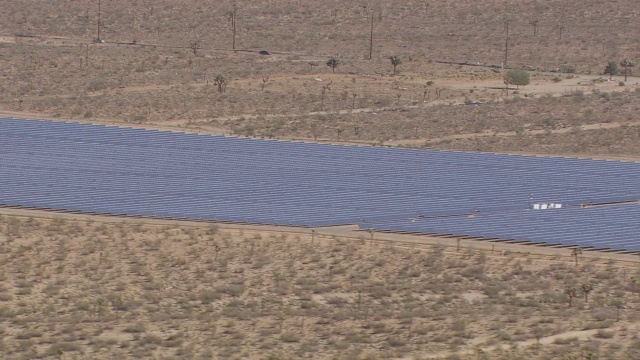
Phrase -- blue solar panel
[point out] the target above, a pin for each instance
(116, 170)
(601, 227)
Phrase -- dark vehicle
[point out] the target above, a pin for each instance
(264, 52)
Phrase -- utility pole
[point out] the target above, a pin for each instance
(99, 5)
(506, 44)
(534, 23)
(371, 38)
(232, 18)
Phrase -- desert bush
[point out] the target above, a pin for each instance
(60, 348)
(290, 337)
(604, 334)
(135, 328)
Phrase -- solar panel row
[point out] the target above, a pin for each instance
(114, 170)
(601, 227)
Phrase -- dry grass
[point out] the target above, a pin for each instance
(92, 290)
(575, 124)
(457, 30)
(168, 85)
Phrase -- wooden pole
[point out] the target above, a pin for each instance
(99, 8)
(371, 39)
(506, 44)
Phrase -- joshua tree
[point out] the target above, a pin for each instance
(333, 63)
(626, 64)
(560, 30)
(265, 79)
(576, 252)
(221, 82)
(216, 249)
(195, 46)
(395, 61)
(586, 289)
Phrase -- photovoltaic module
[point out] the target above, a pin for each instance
(136, 172)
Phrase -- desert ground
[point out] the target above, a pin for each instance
(153, 71)
(76, 287)
(83, 287)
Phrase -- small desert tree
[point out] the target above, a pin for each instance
(611, 69)
(195, 46)
(118, 304)
(539, 333)
(333, 63)
(517, 78)
(586, 290)
(395, 61)
(576, 253)
(221, 82)
(626, 64)
(618, 304)
(571, 292)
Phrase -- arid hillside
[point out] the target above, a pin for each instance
(542, 33)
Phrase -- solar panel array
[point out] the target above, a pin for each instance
(601, 227)
(115, 170)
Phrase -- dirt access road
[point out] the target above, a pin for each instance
(351, 233)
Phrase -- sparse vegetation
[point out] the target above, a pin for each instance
(267, 291)
(169, 84)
